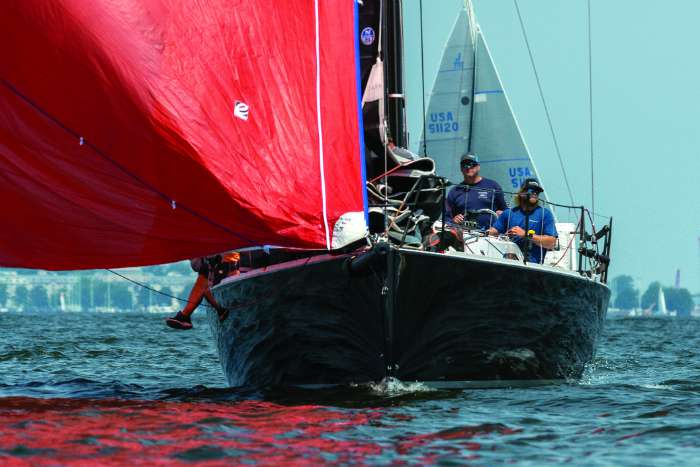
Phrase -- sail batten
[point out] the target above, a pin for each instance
(200, 127)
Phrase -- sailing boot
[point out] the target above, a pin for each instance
(179, 321)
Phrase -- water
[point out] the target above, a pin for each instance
(120, 389)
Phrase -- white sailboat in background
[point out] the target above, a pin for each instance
(661, 303)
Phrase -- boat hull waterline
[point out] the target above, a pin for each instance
(452, 319)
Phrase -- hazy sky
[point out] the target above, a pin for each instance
(646, 113)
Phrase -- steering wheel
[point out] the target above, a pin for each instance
(482, 211)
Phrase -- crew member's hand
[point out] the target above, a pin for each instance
(517, 230)
(458, 219)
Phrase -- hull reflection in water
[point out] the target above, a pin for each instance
(440, 319)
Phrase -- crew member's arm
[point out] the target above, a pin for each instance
(500, 225)
(545, 241)
(548, 238)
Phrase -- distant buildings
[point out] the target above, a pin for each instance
(40, 291)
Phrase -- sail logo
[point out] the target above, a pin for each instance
(442, 122)
(240, 110)
(458, 63)
(518, 175)
(367, 36)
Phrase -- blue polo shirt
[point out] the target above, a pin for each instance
(541, 221)
(486, 194)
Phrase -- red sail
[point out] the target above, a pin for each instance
(136, 132)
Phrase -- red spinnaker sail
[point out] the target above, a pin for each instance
(136, 132)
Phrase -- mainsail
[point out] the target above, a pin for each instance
(135, 133)
(496, 136)
(448, 117)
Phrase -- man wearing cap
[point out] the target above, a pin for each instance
(528, 217)
(476, 192)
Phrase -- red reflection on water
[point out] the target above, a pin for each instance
(453, 441)
(83, 432)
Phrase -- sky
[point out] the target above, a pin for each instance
(646, 113)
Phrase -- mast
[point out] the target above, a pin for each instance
(393, 47)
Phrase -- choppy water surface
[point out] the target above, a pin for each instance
(121, 389)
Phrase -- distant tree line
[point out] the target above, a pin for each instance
(627, 296)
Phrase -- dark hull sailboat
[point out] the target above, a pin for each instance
(112, 113)
(466, 316)
(427, 317)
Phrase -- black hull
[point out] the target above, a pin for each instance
(451, 319)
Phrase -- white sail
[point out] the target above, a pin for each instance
(496, 137)
(661, 303)
(448, 114)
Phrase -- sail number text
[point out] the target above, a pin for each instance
(442, 122)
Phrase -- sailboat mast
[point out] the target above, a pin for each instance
(395, 102)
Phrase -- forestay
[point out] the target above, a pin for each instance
(135, 133)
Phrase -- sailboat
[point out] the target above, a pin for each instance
(141, 134)
(661, 303)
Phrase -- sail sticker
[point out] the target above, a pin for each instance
(458, 63)
(240, 110)
(367, 36)
(350, 227)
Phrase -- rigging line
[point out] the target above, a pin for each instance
(422, 80)
(544, 103)
(142, 285)
(590, 103)
(106, 157)
(473, 39)
(202, 303)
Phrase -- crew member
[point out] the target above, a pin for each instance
(531, 225)
(210, 270)
(476, 192)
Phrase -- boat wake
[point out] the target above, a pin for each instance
(392, 387)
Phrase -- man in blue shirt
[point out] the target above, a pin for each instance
(474, 193)
(529, 216)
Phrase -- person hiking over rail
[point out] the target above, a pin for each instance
(210, 270)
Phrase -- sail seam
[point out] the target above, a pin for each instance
(320, 127)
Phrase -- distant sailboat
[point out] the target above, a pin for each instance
(661, 303)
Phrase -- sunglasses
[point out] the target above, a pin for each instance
(468, 166)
